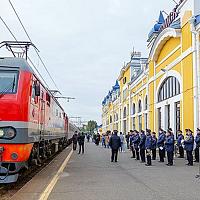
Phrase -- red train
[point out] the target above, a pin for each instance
(33, 125)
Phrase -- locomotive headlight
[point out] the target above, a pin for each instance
(9, 133)
(1, 133)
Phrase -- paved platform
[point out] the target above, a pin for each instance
(36, 186)
(93, 177)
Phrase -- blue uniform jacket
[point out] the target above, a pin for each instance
(148, 143)
(154, 143)
(197, 140)
(136, 141)
(161, 140)
(189, 144)
(169, 143)
(180, 137)
(142, 141)
(131, 140)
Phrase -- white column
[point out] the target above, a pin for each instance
(129, 122)
(195, 78)
(198, 75)
(172, 116)
(195, 81)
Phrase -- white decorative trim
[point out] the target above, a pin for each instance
(162, 38)
(171, 65)
(138, 91)
(181, 5)
(139, 79)
(169, 55)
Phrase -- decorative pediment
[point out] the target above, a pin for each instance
(160, 41)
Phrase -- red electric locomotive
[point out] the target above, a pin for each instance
(33, 125)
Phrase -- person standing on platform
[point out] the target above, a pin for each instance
(142, 146)
(127, 140)
(97, 139)
(88, 137)
(115, 144)
(75, 140)
(161, 145)
(148, 146)
(197, 141)
(179, 144)
(81, 142)
(169, 146)
(103, 141)
(131, 144)
(154, 145)
(122, 142)
(189, 145)
(136, 141)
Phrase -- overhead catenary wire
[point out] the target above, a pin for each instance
(20, 21)
(22, 48)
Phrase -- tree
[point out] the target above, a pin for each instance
(91, 126)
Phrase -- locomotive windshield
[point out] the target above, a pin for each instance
(8, 82)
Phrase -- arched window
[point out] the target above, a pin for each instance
(117, 117)
(140, 106)
(169, 88)
(146, 103)
(124, 114)
(110, 119)
(133, 109)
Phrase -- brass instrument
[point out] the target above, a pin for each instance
(187, 138)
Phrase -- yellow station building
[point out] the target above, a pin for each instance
(163, 90)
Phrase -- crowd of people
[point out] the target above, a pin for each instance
(144, 145)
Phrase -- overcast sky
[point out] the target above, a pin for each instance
(84, 43)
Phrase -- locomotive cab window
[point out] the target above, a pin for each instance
(8, 82)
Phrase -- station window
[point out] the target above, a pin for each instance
(146, 103)
(133, 109)
(124, 80)
(133, 123)
(140, 122)
(169, 88)
(140, 106)
(124, 114)
(110, 119)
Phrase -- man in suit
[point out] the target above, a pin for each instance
(75, 140)
(81, 142)
(115, 144)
